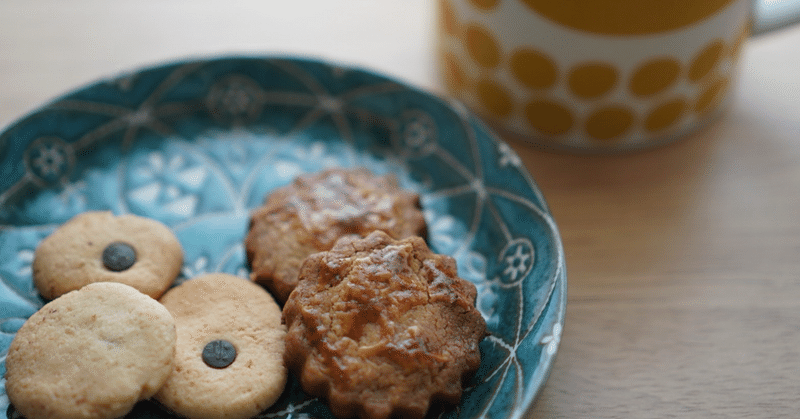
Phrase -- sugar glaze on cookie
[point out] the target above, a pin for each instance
(315, 210)
(381, 327)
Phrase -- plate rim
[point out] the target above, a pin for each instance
(559, 288)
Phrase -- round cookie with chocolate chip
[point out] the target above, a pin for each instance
(229, 356)
(98, 246)
(92, 354)
(381, 327)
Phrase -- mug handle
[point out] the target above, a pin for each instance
(769, 15)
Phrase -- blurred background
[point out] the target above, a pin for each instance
(91, 39)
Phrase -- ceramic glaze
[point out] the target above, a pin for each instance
(197, 145)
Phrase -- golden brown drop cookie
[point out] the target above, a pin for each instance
(381, 327)
(311, 213)
(229, 356)
(90, 354)
(98, 246)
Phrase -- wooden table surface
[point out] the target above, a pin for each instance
(683, 261)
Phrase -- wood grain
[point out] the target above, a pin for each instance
(683, 261)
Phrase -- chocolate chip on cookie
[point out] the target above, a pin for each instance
(98, 246)
(119, 256)
(219, 353)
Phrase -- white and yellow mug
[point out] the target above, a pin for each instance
(594, 74)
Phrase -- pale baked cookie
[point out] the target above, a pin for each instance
(381, 327)
(229, 356)
(90, 354)
(98, 246)
(311, 213)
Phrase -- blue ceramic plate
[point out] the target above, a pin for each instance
(198, 144)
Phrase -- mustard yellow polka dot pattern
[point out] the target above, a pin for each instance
(454, 76)
(447, 19)
(655, 76)
(494, 98)
(533, 69)
(481, 45)
(577, 75)
(665, 115)
(711, 95)
(592, 80)
(549, 117)
(609, 123)
(705, 61)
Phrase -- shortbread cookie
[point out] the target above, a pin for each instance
(310, 214)
(90, 354)
(381, 327)
(101, 247)
(229, 356)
